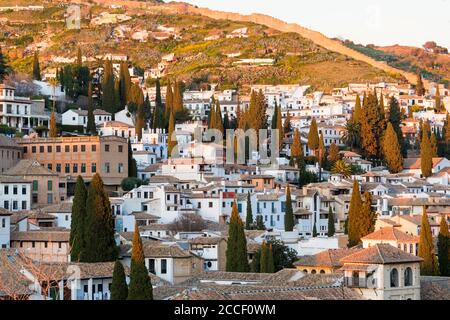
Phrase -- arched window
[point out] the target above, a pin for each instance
(411, 249)
(405, 248)
(394, 278)
(305, 271)
(313, 271)
(322, 271)
(408, 277)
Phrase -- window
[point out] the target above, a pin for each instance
(58, 167)
(83, 148)
(6, 189)
(93, 148)
(83, 168)
(46, 244)
(210, 204)
(50, 198)
(66, 148)
(33, 149)
(120, 148)
(67, 168)
(75, 148)
(15, 190)
(49, 166)
(408, 277)
(75, 168)
(33, 244)
(106, 168)
(49, 149)
(93, 167)
(151, 266)
(3, 223)
(49, 185)
(35, 185)
(106, 147)
(24, 190)
(24, 205)
(163, 266)
(120, 168)
(394, 278)
(41, 149)
(58, 149)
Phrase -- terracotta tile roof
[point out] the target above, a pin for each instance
(380, 254)
(414, 163)
(13, 179)
(434, 288)
(6, 142)
(329, 258)
(39, 235)
(391, 233)
(11, 279)
(28, 167)
(207, 240)
(4, 212)
(63, 207)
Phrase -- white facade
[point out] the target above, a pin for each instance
(78, 117)
(15, 194)
(5, 230)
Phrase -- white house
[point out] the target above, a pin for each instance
(116, 128)
(5, 228)
(78, 117)
(15, 193)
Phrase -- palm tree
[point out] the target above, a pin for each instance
(352, 135)
(340, 167)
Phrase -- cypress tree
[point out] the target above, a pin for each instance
(428, 266)
(287, 123)
(212, 116)
(274, 117)
(434, 145)
(140, 282)
(391, 150)
(256, 262)
(263, 263)
(443, 245)
(279, 127)
(371, 128)
(313, 137)
(116, 98)
(4, 69)
(218, 118)
(171, 143)
(78, 222)
(108, 88)
(79, 57)
(331, 230)
(53, 132)
(334, 155)
(296, 148)
(125, 84)
(426, 155)
(226, 123)
(437, 99)
(395, 118)
(314, 232)
(367, 216)
(90, 116)
(289, 214)
(132, 165)
(158, 99)
(36, 67)
(249, 216)
(100, 245)
(321, 156)
(260, 223)
(119, 288)
(420, 89)
(356, 117)
(270, 260)
(177, 97)
(236, 253)
(169, 100)
(354, 236)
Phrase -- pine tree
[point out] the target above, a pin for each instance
(420, 89)
(53, 132)
(132, 165)
(289, 214)
(78, 222)
(119, 288)
(428, 267)
(354, 236)
(426, 155)
(313, 137)
(331, 230)
(236, 253)
(392, 151)
(140, 283)
(108, 88)
(172, 140)
(90, 127)
(4, 69)
(443, 245)
(100, 245)
(263, 262)
(249, 216)
(36, 67)
(334, 155)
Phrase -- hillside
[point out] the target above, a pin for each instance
(296, 59)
